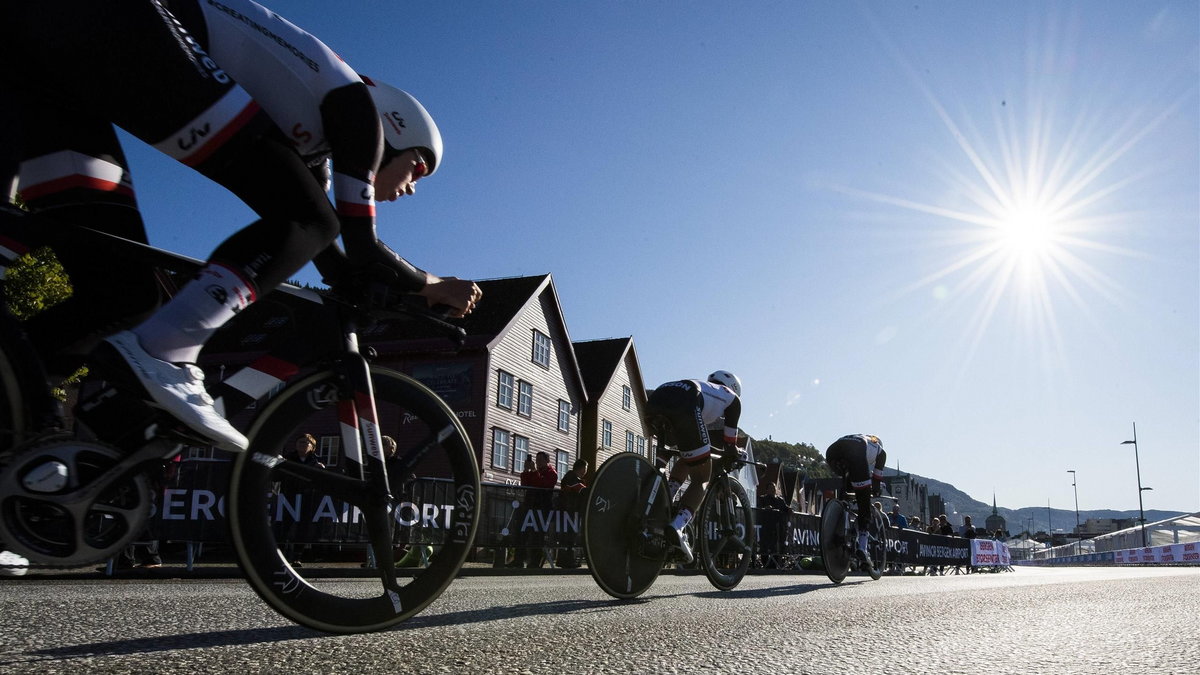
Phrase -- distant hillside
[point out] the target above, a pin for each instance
(1018, 520)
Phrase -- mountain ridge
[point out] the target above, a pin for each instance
(1018, 520)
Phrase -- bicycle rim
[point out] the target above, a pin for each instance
(614, 522)
(835, 543)
(877, 544)
(437, 508)
(13, 422)
(725, 531)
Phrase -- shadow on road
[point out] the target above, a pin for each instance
(228, 638)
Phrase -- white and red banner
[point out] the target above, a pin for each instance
(989, 553)
(1171, 554)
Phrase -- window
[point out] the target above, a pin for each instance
(626, 397)
(628, 441)
(525, 398)
(500, 446)
(641, 446)
(564, 415)
(504, 389)
(329, 450)
(520, 452)
(541, 349)
(561, 458)
(606, 435)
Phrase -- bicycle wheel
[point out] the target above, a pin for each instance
(725, 530)
(436, 507)
(623, 525)
(14, 422)
(877, 543)
(836, 546)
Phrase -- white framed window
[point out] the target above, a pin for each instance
(626, 397)
(641, 446)
(561, 459)
(501, 444)
(329, 450)
(520, 452)
(564, 416)
(628, 441)
(606, 434)
(541, 349)
(504, 389)
(525, 398)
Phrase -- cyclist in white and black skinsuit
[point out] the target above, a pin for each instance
(679, 413)
(248, 100)
(859, 458)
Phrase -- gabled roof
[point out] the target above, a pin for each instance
(599, 361)
(504, 300)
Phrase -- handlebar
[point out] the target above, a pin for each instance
(376, 301)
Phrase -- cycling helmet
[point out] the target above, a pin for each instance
(728, 379)
(406, 123)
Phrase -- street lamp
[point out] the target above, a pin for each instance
(1138, 466)
(1078, 534)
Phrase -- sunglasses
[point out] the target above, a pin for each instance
(420, 166)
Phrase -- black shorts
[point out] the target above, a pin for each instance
(848, 457)
(675, 414)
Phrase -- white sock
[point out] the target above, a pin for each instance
(179, 329)
(682, 518)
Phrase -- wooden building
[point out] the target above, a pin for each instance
(614, 417)
(514, 383)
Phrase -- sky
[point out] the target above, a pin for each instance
(972, 229)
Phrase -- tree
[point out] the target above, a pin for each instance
(796, 456)
(35, 282)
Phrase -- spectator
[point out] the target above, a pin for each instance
(570, 499)
(306, 451)
(968, 528)
(896, 518)
(541, 478)
(944, 526)
(774, 511)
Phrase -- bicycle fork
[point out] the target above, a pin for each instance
(358, 420)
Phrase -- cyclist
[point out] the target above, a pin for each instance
(859, 459)
(679, 414)
(250, 101)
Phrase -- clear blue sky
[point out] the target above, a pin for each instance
(969, 228)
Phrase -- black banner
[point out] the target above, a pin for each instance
(191, 507)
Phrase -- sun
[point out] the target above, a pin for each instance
(1027, 233)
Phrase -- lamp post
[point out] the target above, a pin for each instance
(1137, 465)
(1078, 535)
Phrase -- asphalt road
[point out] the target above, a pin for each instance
(1034, 620)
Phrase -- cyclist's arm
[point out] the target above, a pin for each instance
(733, 413)
(355, 139)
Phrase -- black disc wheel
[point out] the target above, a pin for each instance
(624, 524)
(836, 546)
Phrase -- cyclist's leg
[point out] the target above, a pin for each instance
(73, 172)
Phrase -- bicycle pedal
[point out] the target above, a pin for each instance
(122, 419)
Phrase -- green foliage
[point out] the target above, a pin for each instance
(800, 456)
(35, 282)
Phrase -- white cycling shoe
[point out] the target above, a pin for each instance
(679, 540)
(178, 390)
(13, 565)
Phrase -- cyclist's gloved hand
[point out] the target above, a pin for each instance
(730, 454)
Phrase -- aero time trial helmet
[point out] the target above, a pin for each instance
(406, 123)
(728, 379)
